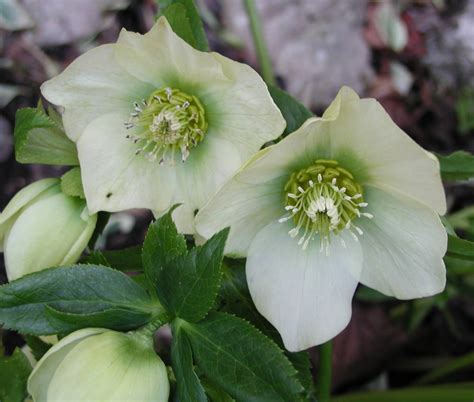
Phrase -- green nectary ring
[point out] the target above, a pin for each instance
(169, 121)
(323, 199)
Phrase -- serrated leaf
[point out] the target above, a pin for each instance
(460, 248)
(457, 166)
(162, 244)
(294, 112)
(187, 286)
(77, 296)
(188, 385)
(39, 139)
(71, 183)
(126, 260)
(192, 20)
(245, 363)
(14, 372)
(236, 299)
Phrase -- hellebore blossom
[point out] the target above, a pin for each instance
(41, 227)
(347, 198)
(96, 364)
(157, 122)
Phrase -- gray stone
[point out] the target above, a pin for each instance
(316, 45)
(449, 46)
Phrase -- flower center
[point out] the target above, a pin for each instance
(169, 121)
(323, 199)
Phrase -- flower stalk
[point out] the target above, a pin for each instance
(323, 390)
(259, 42)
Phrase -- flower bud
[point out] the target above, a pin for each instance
(41, 227)
(96, 364)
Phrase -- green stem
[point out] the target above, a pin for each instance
(323, 383)
(259, 41)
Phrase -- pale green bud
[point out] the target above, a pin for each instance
(41, 227)
(100, 365)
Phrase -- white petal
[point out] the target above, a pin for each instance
(255, 196)
(391, 159)
(94, 84)
(56, 221)
(114, 177)
(403, 246)
(307, 294)
(46, 367)
(201, 175)
(242, 110)
(90, 371)
(27, 195)
(246, 208)
(162, 58)
(238, 105)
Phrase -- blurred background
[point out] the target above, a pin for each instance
(415, 57)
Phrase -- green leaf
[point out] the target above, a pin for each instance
(241, 360)
(457, 166)
(126, 260)
(215, 393)
(39, 139)
(460, 248)
(162, 244)
(14, 373)
(37, 345)
(188, 384)
(235, 299)
(189, 22)
(71, 183)
(179, 21)
(294, 113)
(465, 111)
(451, 393)
(187, 287)
(64, 299)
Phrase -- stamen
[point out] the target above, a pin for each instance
(168, 122)
(319, 207)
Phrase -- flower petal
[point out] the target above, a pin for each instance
(33, 192)
(55, 220)
(391, 158)
(90, 370)
(44, 371)
(114, 177)
(307, 294)
(162, 58)
(403, 246)
(254, 197)
(238, 106)
(242, 110)
(200, 176)
(93, 85)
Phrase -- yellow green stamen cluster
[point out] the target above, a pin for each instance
(323, 199)
(169, 121)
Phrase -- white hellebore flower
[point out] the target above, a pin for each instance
(41, 227)
(347, 198)
(100, 365)
(157, 122)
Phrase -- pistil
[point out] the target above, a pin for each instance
(170, 121)
(323, 200)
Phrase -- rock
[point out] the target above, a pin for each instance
(449, 46)
(316, 45)
(60, 22)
